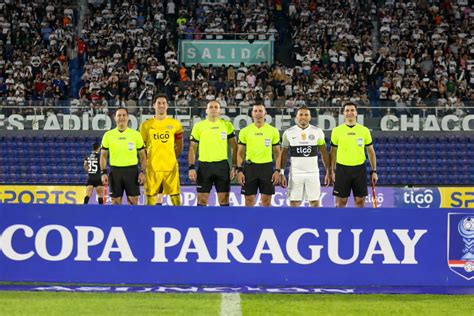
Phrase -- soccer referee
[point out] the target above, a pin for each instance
(348, 144)
(257, 142)
(122, 144)
(212, 137)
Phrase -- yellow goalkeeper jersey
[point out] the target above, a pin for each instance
(160, 137)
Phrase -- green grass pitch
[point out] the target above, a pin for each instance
(34, 303)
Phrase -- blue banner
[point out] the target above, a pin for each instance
(236, 246)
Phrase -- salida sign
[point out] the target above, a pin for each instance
(223, 246)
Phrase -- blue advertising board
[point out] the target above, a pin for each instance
(236, 245)
(398, 197)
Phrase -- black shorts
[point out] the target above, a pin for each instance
(213, 173)
(124, 179)
(350, 178)
(258, 176)
(95, 180)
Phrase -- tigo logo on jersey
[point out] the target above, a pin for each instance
(162, 137)
(304, 151)
(461, 244)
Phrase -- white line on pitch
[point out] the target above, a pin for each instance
(230, 304)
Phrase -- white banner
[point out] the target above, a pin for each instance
(103, 122)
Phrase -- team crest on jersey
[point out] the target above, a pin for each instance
(311, 137)
(169, 127)
(461, 244)
(267, 142)
(303, 136)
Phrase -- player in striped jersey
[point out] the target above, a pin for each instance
(91, 166)
(302, 141)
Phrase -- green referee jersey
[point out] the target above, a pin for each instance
(350, 143)
(259, 142)
(122, 146)
(213, 139)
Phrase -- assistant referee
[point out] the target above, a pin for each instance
(211, 137)
(257, 142)
(348, 144)
(122, 144)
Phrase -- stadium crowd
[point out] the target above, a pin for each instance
(36, 43)
(408, 53)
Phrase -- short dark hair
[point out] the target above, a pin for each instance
(259, 101)
(95, 146)
(303, 108)
(161, 95)
(121, 108)
(348, 103)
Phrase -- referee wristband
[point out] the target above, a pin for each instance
(373, 171)
(191, 167)
(277, 170)
(239, 169)
(103, 172)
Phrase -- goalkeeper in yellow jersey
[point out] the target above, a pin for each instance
(163, 137)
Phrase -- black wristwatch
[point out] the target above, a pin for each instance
(373, 171)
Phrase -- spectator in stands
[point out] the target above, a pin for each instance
(132, 44)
